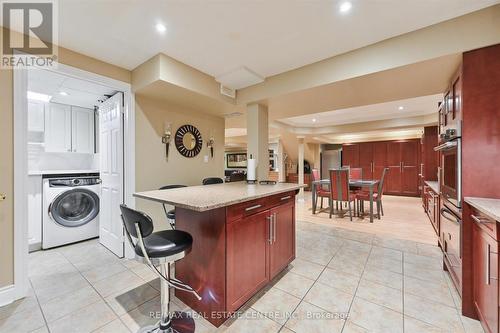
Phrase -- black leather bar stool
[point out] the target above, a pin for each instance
(160, 249)
(212, 180)
(170, 213)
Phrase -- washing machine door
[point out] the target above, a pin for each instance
(74, 208)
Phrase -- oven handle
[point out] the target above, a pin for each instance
(449, 213)
(446, 146)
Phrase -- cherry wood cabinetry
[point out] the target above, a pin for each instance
(431, 206)
(237, 250)
(485, 270)
(294, 178)
(402, 157)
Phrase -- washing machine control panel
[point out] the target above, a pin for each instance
(71, 182)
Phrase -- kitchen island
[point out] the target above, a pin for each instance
(243, 236)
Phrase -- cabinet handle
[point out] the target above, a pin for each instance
(371, 167)
(252, 207)
(477, 219)
(286, 198)
(270, 219)
(487, 264)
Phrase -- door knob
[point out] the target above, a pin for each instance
(2, 197)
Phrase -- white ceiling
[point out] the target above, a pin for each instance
(412, 107)
(217, 37)
(79, 92)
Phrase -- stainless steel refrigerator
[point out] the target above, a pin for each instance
(330, 159)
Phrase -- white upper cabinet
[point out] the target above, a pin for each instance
(36, 116)
(58, 128)
(82, 130)
(69, 129)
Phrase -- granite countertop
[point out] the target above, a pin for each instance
(433, 185)
(487, 206)
(203, 198)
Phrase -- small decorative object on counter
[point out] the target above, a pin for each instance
(166, 137)
(210, 145)
(251, 170)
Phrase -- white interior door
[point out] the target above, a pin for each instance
(111, 170)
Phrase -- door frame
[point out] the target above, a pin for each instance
(20, 85)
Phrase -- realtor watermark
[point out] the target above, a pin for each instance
(29, 34)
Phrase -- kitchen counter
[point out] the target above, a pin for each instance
(433, 185)
(206, 197)
(487, 206)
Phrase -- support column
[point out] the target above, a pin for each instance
(300, 164)
(258, 138)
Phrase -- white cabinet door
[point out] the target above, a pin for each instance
(35, 212)
(36, 116)
(82, 130)
(58, 128)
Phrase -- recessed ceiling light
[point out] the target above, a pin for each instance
(63, 93)
(161, 28)
(401, 108)
(345, 7)
(314, 120)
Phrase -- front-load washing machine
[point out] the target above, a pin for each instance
(70, 210)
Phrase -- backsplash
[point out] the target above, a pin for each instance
(38, 160)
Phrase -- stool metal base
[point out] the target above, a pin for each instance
(181, 322)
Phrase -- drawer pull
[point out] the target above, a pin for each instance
(252, 208)
(274, 228)
(270, 219)
(286, 198)
(477, 219)
(487, 264)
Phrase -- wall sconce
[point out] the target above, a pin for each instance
(211, 144)
(166, 137)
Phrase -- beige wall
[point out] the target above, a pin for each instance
(66, 57)
(153, 170)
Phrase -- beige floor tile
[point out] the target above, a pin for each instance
(294, 284)
(29, 303)
(58, 285)
(435, 291)
(363, 237)
(24, 321)
(394, 266)
(310, 318)
(433, 313)
(318, 257)
(471, 325)
(84, 320)
(144, 272)
(329, 299)
(396, 244)
(384, 277)
(252, 321)
(413, 325)
(117, 282)
(350, 327)
(116, 326)
(375, 318)
(429, 250)
(423, 272)
(339, 280)
(43, 329)
(430, 262)
(349, 265)
(384, 252)
(380, 294)
(102, 272)
(276, 305)
(356, 247)
(128, 299)
(306, 268)
(69, 303)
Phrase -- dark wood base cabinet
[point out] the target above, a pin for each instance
(485, 270)
(237, 250)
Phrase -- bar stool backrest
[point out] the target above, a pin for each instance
(315, 174)
(212, 180)
(381, 183)
(131, 216)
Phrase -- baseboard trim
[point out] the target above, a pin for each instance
(7, 295)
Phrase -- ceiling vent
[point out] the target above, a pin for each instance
(239, 78)
(232, 114)
(226, 91)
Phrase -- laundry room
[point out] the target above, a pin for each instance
(63, 145)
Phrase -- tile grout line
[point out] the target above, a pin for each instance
(39, 307)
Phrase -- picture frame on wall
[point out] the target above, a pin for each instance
(236, 160)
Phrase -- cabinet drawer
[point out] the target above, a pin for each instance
(244, 209)
(486, 223)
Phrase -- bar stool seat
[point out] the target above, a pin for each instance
(171, 214)
(166, 243)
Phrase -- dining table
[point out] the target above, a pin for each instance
(353, 183)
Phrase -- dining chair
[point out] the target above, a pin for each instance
(339, 190)
(321, 191)
(170, 213)
(212, 180)
(356, 173)
(364, 195)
